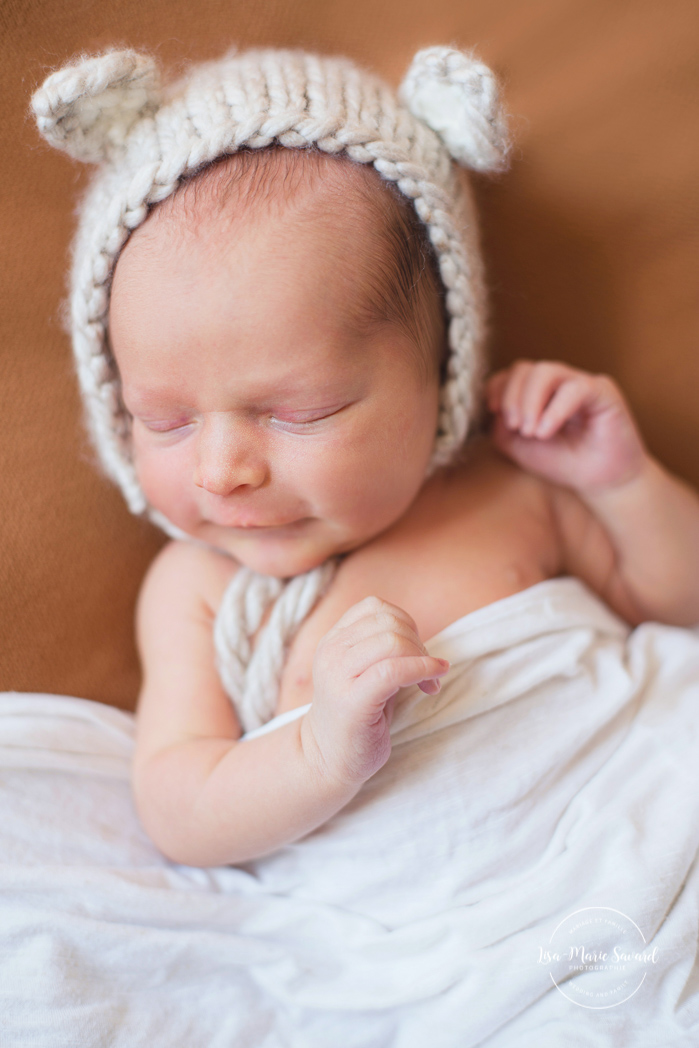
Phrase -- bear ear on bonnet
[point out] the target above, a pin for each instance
(87, 108)
(457, 96)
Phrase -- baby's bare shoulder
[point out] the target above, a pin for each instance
(486, 495)
(186, 571)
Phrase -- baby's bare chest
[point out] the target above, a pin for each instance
(460, 549)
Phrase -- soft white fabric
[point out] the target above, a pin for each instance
(558, 768)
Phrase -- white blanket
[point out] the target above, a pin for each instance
(557, 771)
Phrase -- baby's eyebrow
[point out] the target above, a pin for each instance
(140, 401)
(150, 403)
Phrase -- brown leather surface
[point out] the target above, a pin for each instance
(592, 243)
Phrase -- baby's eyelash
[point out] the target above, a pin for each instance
(303, 423)
(164, 427)
(170, 426)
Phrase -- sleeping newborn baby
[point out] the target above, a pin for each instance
(279, 340)
(282, 336)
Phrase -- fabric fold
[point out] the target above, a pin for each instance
(556, 772)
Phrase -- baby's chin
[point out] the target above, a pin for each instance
(280, 552)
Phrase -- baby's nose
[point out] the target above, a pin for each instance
(228, 457)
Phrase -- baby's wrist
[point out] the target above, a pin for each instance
(628, 487)
(330, 776)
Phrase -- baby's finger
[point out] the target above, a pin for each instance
(431, 686)
(511, 396)
(352, 659)
(568, 399)
(382, 629)
(537, 390)
(372, 606)
(494, 387)
(385, 678)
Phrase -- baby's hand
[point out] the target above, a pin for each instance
(359, 665)
(569, 426)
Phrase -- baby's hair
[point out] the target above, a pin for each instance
(402, 283)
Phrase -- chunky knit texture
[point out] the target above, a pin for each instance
(252, 676)
(111, 110)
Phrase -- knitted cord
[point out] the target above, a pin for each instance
(250, 676)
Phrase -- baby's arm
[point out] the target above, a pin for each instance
(627, 526)
(205, 797)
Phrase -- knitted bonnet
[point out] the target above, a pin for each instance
(111, 110)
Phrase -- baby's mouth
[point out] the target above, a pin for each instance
(282, 525)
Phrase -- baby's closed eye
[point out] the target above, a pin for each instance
(163, 425)
(292, 420)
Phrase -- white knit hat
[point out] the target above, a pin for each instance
(110, 110)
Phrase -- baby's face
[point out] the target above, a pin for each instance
(266, 421)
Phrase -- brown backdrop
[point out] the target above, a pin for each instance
(591, 242)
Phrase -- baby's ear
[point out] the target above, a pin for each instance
(87, 108)
(457, 96)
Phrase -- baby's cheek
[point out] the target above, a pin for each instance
(161, 477)
(358, 479)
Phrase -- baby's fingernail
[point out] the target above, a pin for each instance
(444, 662)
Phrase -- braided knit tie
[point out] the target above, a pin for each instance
(250, 676)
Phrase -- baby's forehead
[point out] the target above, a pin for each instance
(274, 183)
(276, 199)
(311, 220)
